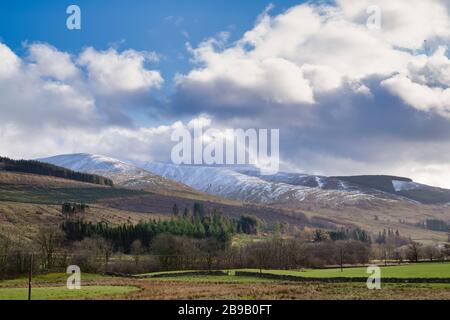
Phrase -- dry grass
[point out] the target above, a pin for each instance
(184, 290)
(382, 216)
(240, 288)
(27, 179)
(22, 220)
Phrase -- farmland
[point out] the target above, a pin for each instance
(419, 270)
(178, 286)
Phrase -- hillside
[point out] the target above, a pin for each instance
(46, 169)
(248, 185)
(299, 199)
(126, 175)
(29, 201)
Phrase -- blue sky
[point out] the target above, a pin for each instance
(160, 26)
(348, 98)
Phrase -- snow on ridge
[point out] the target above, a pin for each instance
(91, 163)
(404, 185)
(222, 181)
(228, 183)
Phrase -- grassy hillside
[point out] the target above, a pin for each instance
(45, 169)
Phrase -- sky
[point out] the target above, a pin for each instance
(348, 98)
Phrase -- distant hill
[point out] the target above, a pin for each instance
(123, 174)
(248, 185)
(46, 169)
(373, 203)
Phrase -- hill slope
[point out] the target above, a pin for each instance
(249, 185)
(123, 174)
(46, 169)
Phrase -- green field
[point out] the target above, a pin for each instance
(214, 279)
(419, 270)
(60, 293)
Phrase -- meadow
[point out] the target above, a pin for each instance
(177, 286)
(418, 270)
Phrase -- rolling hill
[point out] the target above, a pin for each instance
(373, 203)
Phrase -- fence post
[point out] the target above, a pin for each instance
(30, 275)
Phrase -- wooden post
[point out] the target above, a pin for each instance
(30, 275)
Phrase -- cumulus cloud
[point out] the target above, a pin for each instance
(36, 95)
(425, 85)
(49, 61)
(348, 99)
(50, 103)
(113, 73)
(310, 49)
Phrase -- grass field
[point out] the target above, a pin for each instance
(50, 278)
(419, 270)
(62, 293)
(214, 279)
(52, 286)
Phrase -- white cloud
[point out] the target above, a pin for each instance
(9, 62)
(48, 61)
(404, 23)
(292, 57)
(30, 99)
(310, 49)
(425, 85)
(114, 73)
(47, 104)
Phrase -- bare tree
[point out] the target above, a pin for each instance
(413, 252)
(49, 240)
(137, 250)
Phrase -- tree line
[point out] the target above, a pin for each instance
(46, 169)
(435, 225)
(198, 225)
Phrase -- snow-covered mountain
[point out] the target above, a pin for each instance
(249, 186)
(246, 184)
(122, 173)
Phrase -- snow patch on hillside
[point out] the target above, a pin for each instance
(404, 185)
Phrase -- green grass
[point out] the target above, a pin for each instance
(420, 270)
(166, 272)
(50, 278)
(59, 293)
(214, 279)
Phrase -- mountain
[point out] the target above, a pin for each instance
(249, 185)
(373, 203)
(46, 169)
(123, 174)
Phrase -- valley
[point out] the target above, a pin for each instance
(171, 218)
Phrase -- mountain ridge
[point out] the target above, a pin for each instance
(247, 185)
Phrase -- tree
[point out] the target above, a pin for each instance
(210, 249)
(260, 253)
(431, 252)
(49, 240)
(413, 252)
(320, 235)
(249, 224)
(175, 210)
(137, 250)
